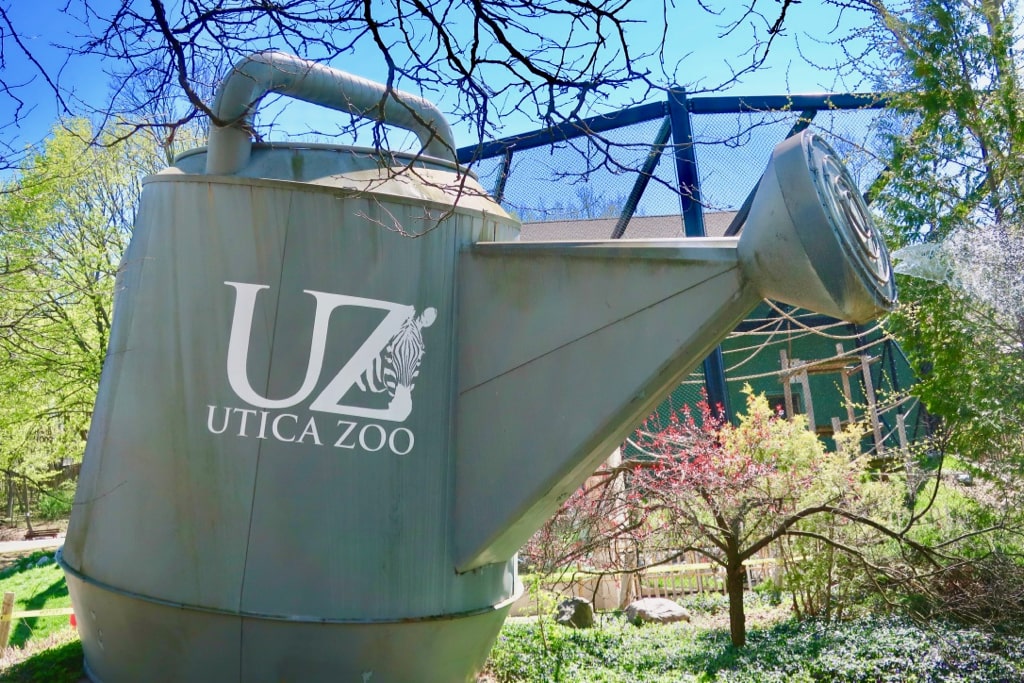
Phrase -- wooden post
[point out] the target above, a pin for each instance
(808, 401)
(847, 389)
(901, 428)
(848, 393)
(869, 391)
(787, 389)
(788, 377)
(6, 613)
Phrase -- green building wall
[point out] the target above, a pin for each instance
(752, 356)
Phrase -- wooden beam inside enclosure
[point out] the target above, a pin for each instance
(901, 429)
(787, 386)
(794, 370)
(847, 389)
(869, 393)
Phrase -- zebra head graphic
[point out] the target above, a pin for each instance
(395, 370)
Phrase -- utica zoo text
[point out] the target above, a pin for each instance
(251, 423)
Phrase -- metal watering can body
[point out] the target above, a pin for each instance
(339, 395)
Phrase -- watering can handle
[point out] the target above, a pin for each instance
(256, 75)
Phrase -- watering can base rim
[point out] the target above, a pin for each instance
(121, 641)
(297, 618)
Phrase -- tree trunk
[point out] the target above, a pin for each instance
(24, 502)
(734, 573)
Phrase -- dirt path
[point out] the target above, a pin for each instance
(12, 551)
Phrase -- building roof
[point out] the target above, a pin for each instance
(640, 227)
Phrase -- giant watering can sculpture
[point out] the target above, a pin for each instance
(319, 442)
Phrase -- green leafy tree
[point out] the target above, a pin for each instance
(954, 201)
(66, 218)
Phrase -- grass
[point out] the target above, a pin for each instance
(42, 649)
(57, 658)
(35, 587)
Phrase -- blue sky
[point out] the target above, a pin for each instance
(695, 37)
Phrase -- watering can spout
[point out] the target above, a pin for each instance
(589, 337)
(809, 239)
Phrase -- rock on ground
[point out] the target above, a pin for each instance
(575, 612)
(655, 610)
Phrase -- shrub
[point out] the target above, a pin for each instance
(56, 504)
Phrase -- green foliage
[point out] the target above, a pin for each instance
(711, 603)
(825, 563)
(66, 217)
(859, 651)
(705, 603)
(984, 583)
(955, 172)
(969, 372)
(56, 504)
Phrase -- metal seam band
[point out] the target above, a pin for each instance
(280, 617)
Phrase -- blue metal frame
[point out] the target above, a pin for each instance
(656, 110)
(643, 178)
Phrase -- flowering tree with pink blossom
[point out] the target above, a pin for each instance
(732, 490)
(697, 483)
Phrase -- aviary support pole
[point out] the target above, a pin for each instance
(693, 225)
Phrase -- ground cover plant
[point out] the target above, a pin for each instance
(863, 650)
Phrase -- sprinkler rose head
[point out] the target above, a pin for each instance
(810, 240)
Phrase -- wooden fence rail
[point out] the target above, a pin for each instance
(675, 580)
(8, 615)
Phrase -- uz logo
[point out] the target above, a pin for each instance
(387, 361)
